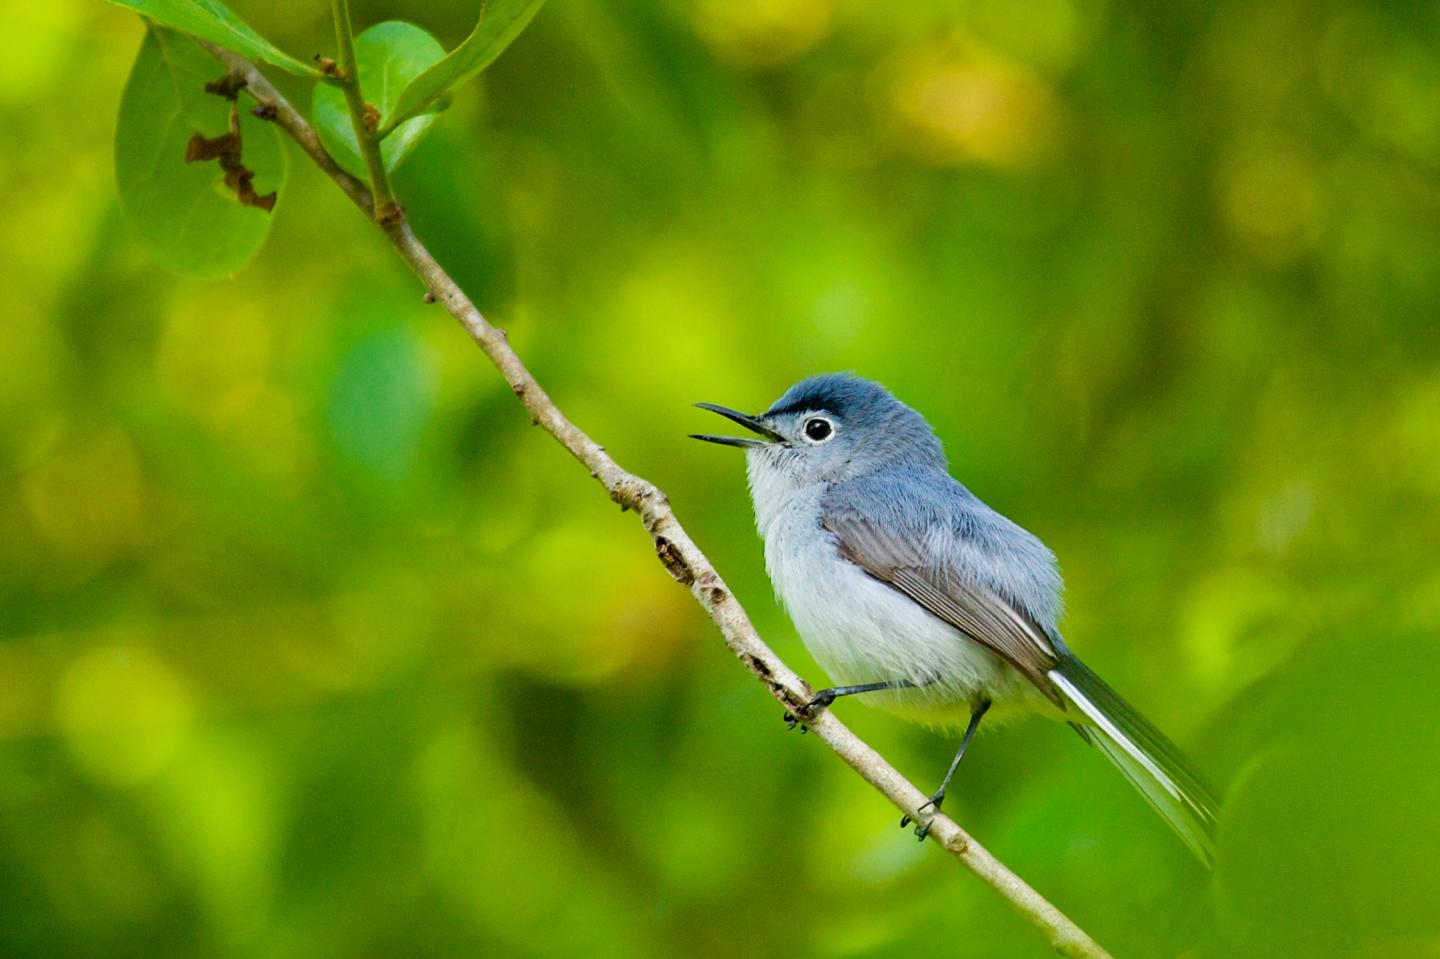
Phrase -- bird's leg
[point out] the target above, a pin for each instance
(923, 829)
(825, 697)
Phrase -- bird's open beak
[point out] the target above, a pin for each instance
(749, 422)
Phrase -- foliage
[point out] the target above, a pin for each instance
(212, 20)
(500, 23)
(187, 220)
(178, 210)
(311, 645)
(390, 56)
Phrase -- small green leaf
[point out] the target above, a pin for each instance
(388, 55)
(184, 213)
(212, 20)
(500, 22)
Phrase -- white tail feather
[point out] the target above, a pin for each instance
(1119, 732)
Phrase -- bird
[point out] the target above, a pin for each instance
(912, 593)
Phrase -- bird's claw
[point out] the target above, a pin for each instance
(820, 700)
(922, 829)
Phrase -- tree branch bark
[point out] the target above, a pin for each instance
(679, 554)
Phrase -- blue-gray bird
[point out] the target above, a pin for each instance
(907, 588)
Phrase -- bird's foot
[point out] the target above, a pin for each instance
(820, 700)
(922, 829)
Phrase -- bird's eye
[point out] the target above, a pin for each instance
(818, 429)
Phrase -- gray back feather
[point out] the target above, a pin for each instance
(958, 534)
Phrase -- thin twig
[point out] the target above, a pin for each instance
(679, 554)
(384, 199)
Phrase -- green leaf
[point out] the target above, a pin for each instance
(388, 56)
(184, 213)
(212, 20)
(500, 22)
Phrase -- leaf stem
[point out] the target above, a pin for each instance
(386, 210)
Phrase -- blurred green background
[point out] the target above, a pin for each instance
(311, 646)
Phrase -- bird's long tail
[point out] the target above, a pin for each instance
(1152, 763)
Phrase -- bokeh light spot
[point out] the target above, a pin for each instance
(123, 714)
(762, 34)
(1270, 198)
(974, 107)
(86, 497)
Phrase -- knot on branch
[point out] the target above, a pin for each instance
(371, 118)
(631, 492)
(757, 665)
(762, 672)
(623, 494)
(958, 844)
(673, 562)
(390, 215)
(327, 65)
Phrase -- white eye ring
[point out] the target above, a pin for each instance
(817, 430)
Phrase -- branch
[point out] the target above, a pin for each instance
(384, 199)
(679, 554)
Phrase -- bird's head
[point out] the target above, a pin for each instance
(830, 428)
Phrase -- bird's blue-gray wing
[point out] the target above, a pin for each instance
(896, 557)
